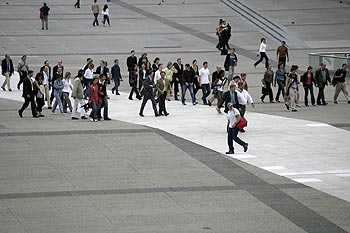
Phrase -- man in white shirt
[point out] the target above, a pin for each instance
(204, 82)
(233, 117)
(244, 98)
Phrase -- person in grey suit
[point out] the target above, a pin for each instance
(148, 94)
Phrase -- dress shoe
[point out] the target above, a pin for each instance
(324, 104)
(107, 119)
(183, 103)
(141, 115)
(245, 147)
(3, 88)
(75, 118)
(262, 100)
(130, 98)
(161, 114)
(49, 108)
(242, 130)
(36, 116)
(166, 114)
(349, 102)
(41, 115)
(230, 152)
(83, 118)
(112, 91)
(176, 98)
(117, 93)
(209, 103)
(157, 115)
(10, 89)
(287, 106)
(294, 110)
(20, 113)
(139, 98)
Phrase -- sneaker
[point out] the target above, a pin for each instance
(91, 119)
(245, 147)
(95, 120)
(3, 88)
(230, 152)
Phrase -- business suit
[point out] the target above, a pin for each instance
(321, 84)
(116, 76)
(227, 99)
(177, 78)
(148, 95)
(28, 95)
(7, 70)
(103, 70)
(163, 86)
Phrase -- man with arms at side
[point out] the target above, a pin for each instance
(163, 85)
(77, 95)
(339, 77)
(148, 94)
(322, 79)
(230, 96)
(177, 76)
(282, 53)
(204, 82)
(7, 70)
(116, 76)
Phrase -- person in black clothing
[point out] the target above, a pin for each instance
(177, 76)
(102, 99)
(77, 4)
(7, 70)
(116, 76)
(187, 83)
(156, 63)
(44, 16)
(143, 59)
(39, 93)
(131, 60)
(229, 96)
(28, 95)
(103, 69)
(133, 75)
(339, 82)
(308, 82)
(148, 94)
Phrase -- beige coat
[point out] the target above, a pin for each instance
(95, 8)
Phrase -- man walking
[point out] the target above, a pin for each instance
(282, 54)
(322, 79)
(116, 76)
(77, 95)
(44, 16)
(7, 70)
(204, 81)
(47, 85)
(230, 96)
(163, 86)
(95, 10)
(28, 95)
(148, 94)
(339, 77)
(22, 68)
(177, 76)
(187, 83)
(233, 117)
(230, 64)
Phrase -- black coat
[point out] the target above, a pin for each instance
(180, 70)
(130, 62)
(28, 88)
(4, 67)
(227, 61)
(227, 99)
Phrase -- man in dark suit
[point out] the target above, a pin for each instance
(103, 69)
(7, 70)
(230, 96)
(28, 95)
(131, 60)
(177, 76)
(148, 94)
(116, 76)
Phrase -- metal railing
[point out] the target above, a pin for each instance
(334, 60)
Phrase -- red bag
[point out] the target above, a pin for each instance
(242, 123)
(41, 15)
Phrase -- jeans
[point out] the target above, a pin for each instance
(116, 85)
(87, 83)
(206, 92)
(66, 102)
(102, 103)
(184, 89)
(95, 22)
(232, 136)
(46, 21)
(106, 18)
(93, 113)
(58, 102)
(307, 88)
(280, 90)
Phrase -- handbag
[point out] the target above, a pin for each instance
(242, 123)
(215, 91)
(41, 16)
(264, 91)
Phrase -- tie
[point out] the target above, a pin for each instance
(8, 66)
(233, 100)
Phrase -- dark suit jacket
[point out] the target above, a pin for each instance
(28, 88)
(180, 70)
(115, 70)
(105, 71)
(319, 78)
(227, 99)
(130, 62)
(227, 61)
(148, 86)
(4, 67)
(54, 73)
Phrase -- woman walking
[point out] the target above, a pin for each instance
(105, 13)
(280, 80)
(308, 81)
(262, 51)
(67, 87)
(267, 81)
(93, 99)
(39, 93)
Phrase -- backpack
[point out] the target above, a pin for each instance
(334, 80)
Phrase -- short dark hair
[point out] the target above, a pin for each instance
(30, 72)
(132, 51)
(162, 72)
(115, 60)
(205, 63)
(187, 65)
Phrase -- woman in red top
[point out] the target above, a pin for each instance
(93, 98)
(308, 80)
